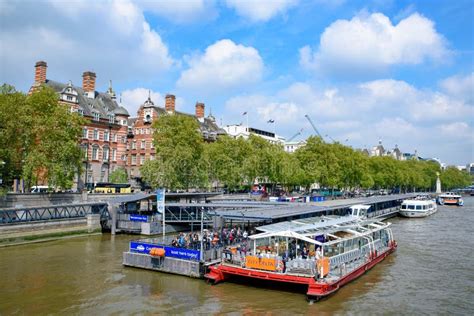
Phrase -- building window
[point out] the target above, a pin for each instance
(69, 98)
(134, 145)
(123, 157)
(114, 154)
(84, 151)
(151, 145)
(134, 159)
(142, 159)
(143, 146)
(85, 133)
(96, 116)
(95, 153)
(96, 134)
(114, 138)
(111, 118)
(105, 154)
(124, 140)
(106, 136)
(81, 112)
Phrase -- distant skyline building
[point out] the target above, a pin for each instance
(238, 130)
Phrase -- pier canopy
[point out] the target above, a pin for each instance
(310, 226)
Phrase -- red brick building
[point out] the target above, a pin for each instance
(104, 137)
(111, 139)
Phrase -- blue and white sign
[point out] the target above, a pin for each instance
(179, 253)
(139, 218)
(160, 200)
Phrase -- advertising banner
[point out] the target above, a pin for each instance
(254, 262)
(160, 200)
(179, 253)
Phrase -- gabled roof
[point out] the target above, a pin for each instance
(102, 103)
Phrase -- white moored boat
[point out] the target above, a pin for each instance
(418, 208)
(450, 198)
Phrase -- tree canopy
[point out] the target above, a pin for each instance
(41, 138)
(179, 152)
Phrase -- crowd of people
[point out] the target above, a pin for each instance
(211, 238)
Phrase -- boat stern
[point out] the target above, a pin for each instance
(215, 275)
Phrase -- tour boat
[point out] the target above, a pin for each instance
(418, 208)
(321, 253)
(450, 198)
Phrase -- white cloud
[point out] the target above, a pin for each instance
(132, 99)
(458, 130)
(372, 43)
(111, 38)
(181, 11)
(224, 65)
(394, 111)
(260, 10)
(460, 86)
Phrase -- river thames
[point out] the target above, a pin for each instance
(432, 272)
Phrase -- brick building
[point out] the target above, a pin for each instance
(111, 138)
(140, 138)
(104, 137)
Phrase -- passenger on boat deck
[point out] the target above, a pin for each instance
(319, 255)
(304, 253)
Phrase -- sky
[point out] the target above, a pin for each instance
(400, 72)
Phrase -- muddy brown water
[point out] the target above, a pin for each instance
(432, 272)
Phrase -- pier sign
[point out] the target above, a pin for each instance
(139, 218)
(178, 253)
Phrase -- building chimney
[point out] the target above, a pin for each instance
(88, 83)
(199, 110)
(170, 103)
(40, 72)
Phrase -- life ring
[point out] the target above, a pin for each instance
(157, 252)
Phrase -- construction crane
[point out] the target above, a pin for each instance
(312, 124)
(293, 137)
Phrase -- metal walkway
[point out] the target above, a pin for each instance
(53, 212)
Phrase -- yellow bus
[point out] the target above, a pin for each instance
(104, 187)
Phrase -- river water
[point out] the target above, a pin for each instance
(432, 272)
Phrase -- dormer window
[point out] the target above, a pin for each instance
(96, 116)
(69, 98)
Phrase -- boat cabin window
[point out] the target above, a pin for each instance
(418, 207)
(411, 207)
(404, 206)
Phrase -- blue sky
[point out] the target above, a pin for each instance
(399, 71)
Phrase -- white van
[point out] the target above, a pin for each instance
(39, 189)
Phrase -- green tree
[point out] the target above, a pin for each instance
(118, 176)
(13, 109)
(452, 178)
(179, 152)
(47, 136)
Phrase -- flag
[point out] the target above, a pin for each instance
(245, 113)
(271, 121)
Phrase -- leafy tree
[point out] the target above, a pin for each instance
(179, 151)
(118, 176)
(452, 178)
(13, 109)
(47, 134)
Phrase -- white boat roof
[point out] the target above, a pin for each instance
(316, 226)
(361, 206)
(418, 202)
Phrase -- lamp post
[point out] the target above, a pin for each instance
(202, 230)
